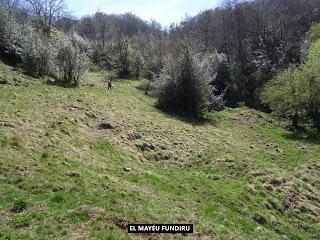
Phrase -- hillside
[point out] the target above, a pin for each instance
(83, 163)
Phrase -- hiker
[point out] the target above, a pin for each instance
(110, 85)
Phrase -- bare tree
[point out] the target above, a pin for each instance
(7, 7)
(46, 11)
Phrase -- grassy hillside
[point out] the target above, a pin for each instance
(83, 163)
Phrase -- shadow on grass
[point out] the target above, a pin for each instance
(59, 83)
(196, 120)
(307, 136)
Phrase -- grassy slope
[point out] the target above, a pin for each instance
(225, 174)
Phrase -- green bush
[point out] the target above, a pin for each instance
(283, 95)
(295, 93)
(314, 33)
(144, 85)
(310, 84)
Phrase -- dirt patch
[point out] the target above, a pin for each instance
(79, 233)
(127, 169)
(144, 146)
(241, 120)
(259, 218)
(5, 121)
(131, 135)
(96, 213)
(7, 124)
(258, 173)
(74, 174)
(121, 223)
(277, 181)
(5, 214)
(152, 236)
(106, 126)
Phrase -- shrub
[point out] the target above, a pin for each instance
(310, 84)
(36, 54)
(144, 85)
(21, 44)
(83, 44)
(314, 33)
(103, 57)
(283, 96)
(72, 63)
(10, 39)
(152, 68)
(57, 55)
(183, 86)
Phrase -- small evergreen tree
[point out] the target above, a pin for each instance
(183, 87)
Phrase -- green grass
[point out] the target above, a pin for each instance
(235, 175)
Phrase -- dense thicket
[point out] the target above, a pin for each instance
(29, 40)
(295, 93)
(124, 42)
(258, 37)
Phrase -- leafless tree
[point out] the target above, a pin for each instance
(46, 11)
(7, 7)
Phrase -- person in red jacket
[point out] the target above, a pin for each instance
(110, 85)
